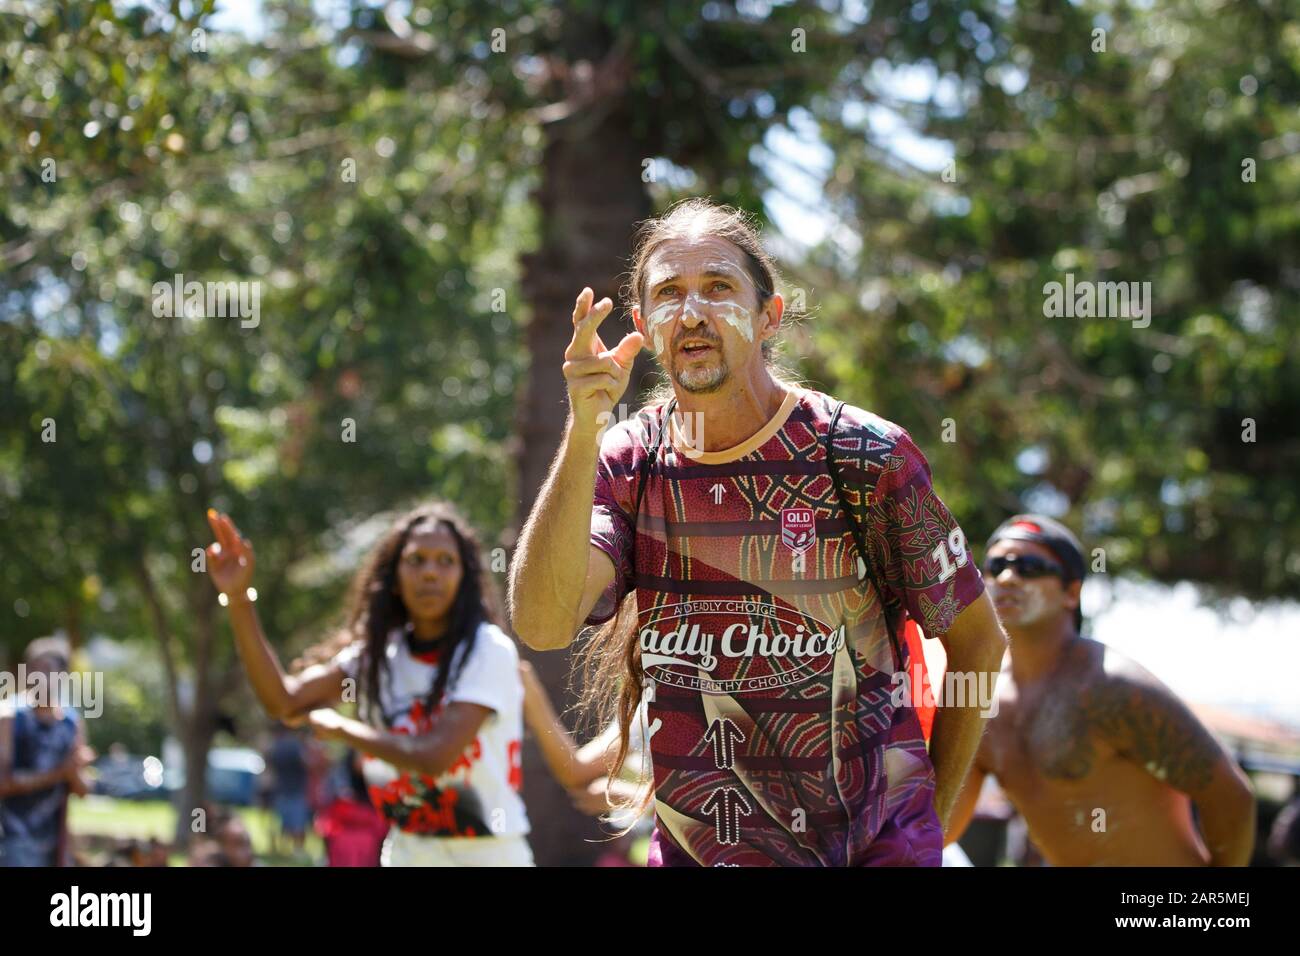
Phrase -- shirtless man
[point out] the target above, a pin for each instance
(1102, 760)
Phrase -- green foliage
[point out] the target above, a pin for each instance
(376, 307)
(382, 293)
(134, 707)
(1123, 165)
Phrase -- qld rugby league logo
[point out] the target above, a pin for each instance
(798, 529)
(729, 646)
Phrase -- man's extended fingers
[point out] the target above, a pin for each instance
(589, 385)
(235, 531)
(584, 328)
(625, 352)
(237, 542)
(576, 368)
(582, 304)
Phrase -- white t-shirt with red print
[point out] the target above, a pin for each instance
(479, 794)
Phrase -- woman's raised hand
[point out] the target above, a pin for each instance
(230, 557)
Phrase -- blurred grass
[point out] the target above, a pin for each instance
(140, 819)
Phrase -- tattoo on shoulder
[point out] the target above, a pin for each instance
(1147, 724)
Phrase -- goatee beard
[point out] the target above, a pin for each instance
(716, 379)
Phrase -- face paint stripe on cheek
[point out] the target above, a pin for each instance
(656, 321)
(738, 317)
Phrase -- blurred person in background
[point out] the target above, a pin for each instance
(436, 680)
(150, 852)
(353, 830)
(225, 842)
(128, 851)
(235, 843)
(1102, 760)
(320, 775)
(204, 851)
(287, 758)
(43, 758)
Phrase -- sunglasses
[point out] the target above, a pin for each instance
(1025, 565)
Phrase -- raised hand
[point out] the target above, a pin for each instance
(230, 557)
(596, 376)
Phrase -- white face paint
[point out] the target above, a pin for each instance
(731, 312)
(682, 262)
(695, 308)
(656, 321)
(736, 316)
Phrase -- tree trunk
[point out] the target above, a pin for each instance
(187, 724)
(202, 725)
(590, 197)
(197, 734)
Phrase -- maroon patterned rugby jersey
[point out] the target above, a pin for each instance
(775, 735)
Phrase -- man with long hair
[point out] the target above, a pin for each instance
(752, 549)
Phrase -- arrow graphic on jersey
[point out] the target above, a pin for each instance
(724, 735)
(727, 806)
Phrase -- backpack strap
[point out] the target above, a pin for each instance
(860, 537)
